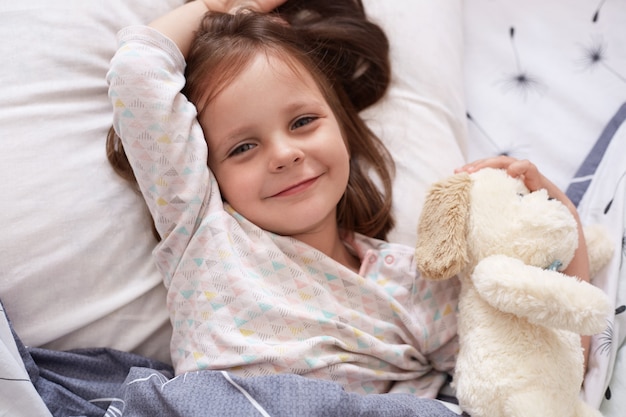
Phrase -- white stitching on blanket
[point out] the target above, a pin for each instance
(246, 394)
(112, 410)
(159, 376)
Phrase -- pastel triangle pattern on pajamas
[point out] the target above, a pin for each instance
(256, 303)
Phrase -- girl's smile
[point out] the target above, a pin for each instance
(296, 188)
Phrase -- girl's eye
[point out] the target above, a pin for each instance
(303, 121)
(242, 148)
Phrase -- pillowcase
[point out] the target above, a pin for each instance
(76, 265)
(422, 118)
(76, 242)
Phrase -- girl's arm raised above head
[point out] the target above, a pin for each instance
(181, 23)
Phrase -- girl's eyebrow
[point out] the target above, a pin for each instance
(235, 134)
(306, 106)
(296, 106)
(292, 107)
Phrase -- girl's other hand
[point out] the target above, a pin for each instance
(229, 6)
(524, 169)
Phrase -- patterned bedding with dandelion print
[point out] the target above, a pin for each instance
(601, 181)
(546, 81)
(543, 79)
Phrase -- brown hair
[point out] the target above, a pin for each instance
(347, 56)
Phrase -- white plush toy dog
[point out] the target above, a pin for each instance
(519, 318)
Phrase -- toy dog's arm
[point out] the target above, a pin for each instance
(544, 297)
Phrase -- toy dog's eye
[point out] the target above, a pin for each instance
(520, 195)
(551, 198)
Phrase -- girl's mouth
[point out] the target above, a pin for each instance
(296, 188)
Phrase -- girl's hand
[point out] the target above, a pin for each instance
(181, 23)
(524, 169)
(229, 6)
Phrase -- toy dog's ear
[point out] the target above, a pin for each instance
(441, 250)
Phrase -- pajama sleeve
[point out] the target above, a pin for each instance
(161, 135)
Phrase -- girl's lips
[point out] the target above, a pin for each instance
(297, 188)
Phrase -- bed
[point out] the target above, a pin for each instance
(83, 327)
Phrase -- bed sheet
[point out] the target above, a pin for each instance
(546, 81)
(18, 396)
(543, 78)
(604, 202)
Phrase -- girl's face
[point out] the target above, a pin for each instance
(276, 149)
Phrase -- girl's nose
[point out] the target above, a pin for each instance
(285, 156)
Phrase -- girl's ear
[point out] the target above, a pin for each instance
(441, 250)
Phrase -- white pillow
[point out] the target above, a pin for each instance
(75, 244)
(422, 119)
(75, 258)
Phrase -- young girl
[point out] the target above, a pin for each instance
(279, 269)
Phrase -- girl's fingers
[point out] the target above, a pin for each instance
(263, 6)
(232, 6)
(523, 169)
(517, 168)
(529, 173)
(499, 162)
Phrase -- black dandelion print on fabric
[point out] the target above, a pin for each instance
(605, 345)
(499, 150)
(596, 15)
(520, 80)
(595, 55)
(608, 206)
(517, 149)
(623, 247)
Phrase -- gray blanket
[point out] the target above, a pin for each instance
(105, 382)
